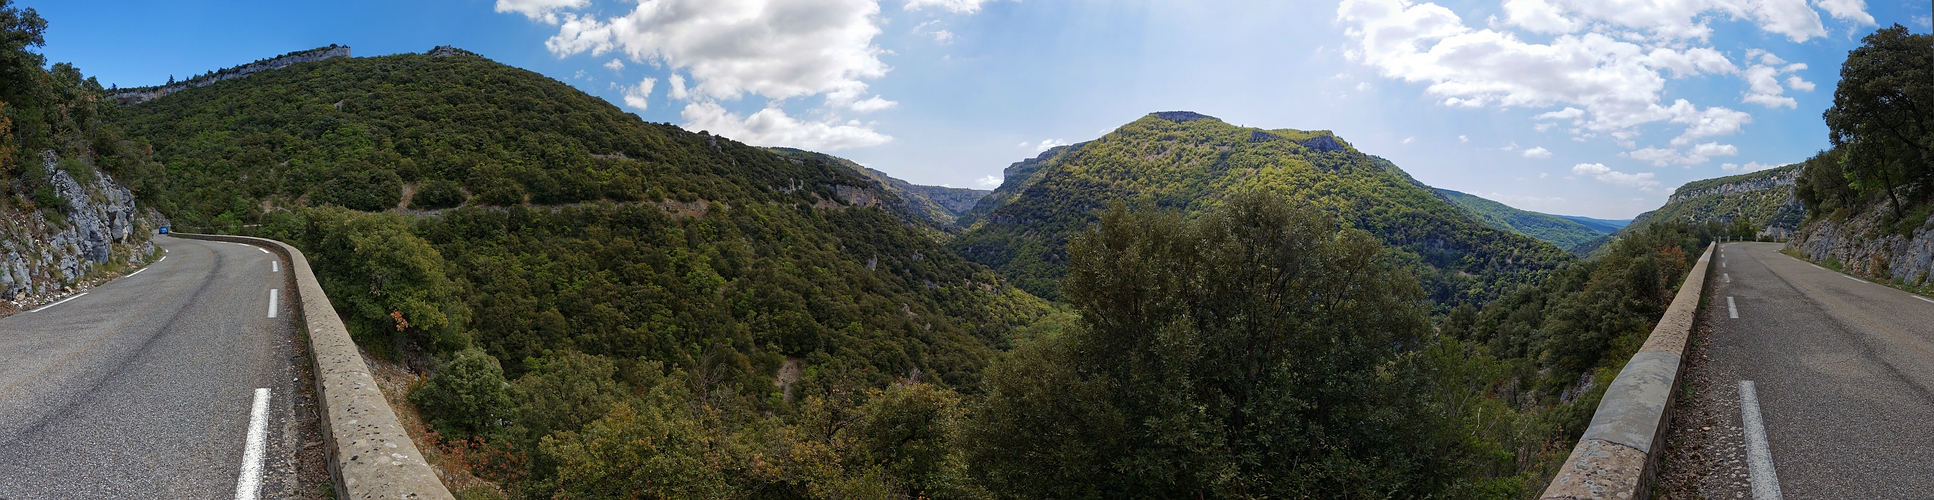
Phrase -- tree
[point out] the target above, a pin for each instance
(1883, 110)
(1256, 351)
(468, 396)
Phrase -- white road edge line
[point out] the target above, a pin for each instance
(1759, 458)
(158, 261)
(1925, 299)
(137, 271)
(264, 250)
(275, 266)
(250, 484)
(1732, 308)
(272, 308)
(62, 301)
(1729, 277)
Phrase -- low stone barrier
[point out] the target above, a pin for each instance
(370, 455)
(1616, 456)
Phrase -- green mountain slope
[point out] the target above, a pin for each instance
(937, 205)
(580, 255)
(1191, 162)
(1557, 230)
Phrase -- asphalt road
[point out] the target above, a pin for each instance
(144, 387)
(1843, 370)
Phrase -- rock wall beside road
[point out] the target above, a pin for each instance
(1864, 245)
(46, 252)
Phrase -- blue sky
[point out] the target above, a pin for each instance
(1578, 107)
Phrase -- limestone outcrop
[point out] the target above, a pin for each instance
(145, 94)
(46, 252)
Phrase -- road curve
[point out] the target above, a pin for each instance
(143, 388)
(1843, 370)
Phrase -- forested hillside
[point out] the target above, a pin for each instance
(1565, 233)
(938, 206)
(1192, 162)
(549, 256)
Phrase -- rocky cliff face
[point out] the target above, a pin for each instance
(145, 94)
(1777, 178)
(96, 233)
(1864, 246)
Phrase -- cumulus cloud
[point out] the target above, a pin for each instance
(1463, 138)
(1537, 152)
(723, 50)
(772, 127)
(1407, 140)
(546, 10)
(778, 49)
(1851, 10)
(1605, 65)
(989, 181)
(614, 65)
(1698, 153)
(1606, 84)
(954, 6)
(1602, 173)
(637, 96)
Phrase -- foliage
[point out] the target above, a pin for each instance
(1564, 233)
(1255, 351)
(1194, 165)
(1881, 126)
(467, 396)
(437, 194)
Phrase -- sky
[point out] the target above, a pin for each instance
(1597, 108)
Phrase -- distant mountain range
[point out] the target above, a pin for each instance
(1565, 231)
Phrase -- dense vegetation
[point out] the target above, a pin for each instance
(54, 110)
(1565, 233)
(1881, 126)
(617, 309)
(936, 208)
(1192, 162)
(589, 259)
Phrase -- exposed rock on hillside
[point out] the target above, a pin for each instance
(1765, 198)
(1866, 247)
(49, 250)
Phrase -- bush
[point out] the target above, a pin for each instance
(468, 397)
(437, 194)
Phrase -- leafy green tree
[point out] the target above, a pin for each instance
(1882, 120)
(437, 194)
(1256, 351)
(384, 278)
(467, 396)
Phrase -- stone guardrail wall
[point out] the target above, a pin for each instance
(1615, 458)
(370, 455)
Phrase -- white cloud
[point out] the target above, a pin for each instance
(1463, 138)
(772, 127)
(1749, 167)
(1590, 169)
(678, 90)
(1606, 85)
(1602, 173)
(1797, 84)
(637, 96)
(1537, 152)
(1538, 16)
(955, 6)
(546, 10)
(1046, 144)
(1407, 140)
(1713, 121)
(1699, 153)
(615, 65)
(990, 181)
(935, 29)
(872, 104)
(1852, 10)
(779, 49)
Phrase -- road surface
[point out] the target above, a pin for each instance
(1843, 371)
(146, 386)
